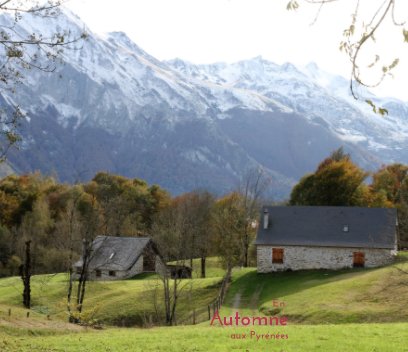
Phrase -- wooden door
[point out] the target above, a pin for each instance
(277, 255)
(358, 259)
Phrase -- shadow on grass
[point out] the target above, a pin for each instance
(280, 284)
(256, 292)
(144, 276)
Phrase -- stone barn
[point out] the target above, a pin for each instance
(324, 237)
(117, 258)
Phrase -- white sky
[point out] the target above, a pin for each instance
(206, 31)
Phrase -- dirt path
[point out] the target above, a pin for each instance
(237, 300)
(254, 302)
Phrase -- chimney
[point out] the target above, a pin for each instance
(265, 219)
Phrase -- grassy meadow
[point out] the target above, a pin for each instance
(390, 337)
(349, 310)
(119, 303)
(323, 296)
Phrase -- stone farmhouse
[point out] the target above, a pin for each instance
(323, 237)
(116, 258)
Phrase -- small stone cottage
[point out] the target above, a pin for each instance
(116, 258)
(323, 237)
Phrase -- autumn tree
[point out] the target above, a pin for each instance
(391, 182)
(18, 195)
(68, 235)
(127, 205)
(228, 221)
(24, 213)
(8, 264)
(337, 181)
(35, 227)
(54, 215)
(202, 228)
(33, 232)
(190, 215)
(170, 233)
(252, 188)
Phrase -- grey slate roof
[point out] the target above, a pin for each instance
(323, 226)
(126, 251)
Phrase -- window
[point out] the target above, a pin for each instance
(345, 228)
(112, 273)
(98, 273)
(358, 260)
(277, 255)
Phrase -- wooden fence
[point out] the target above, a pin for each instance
(216, 305)
(206, 313)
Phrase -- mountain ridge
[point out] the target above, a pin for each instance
(114, 107)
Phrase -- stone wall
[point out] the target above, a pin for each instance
(137, 268)
(119, 274)
(160, 266)
(299, 258)
(124, 274)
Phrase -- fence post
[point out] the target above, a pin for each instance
(216, 305)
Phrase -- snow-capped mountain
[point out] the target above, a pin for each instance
(114, 107)
(314, 94)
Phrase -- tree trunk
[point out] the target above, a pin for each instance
(246, 257)
(167, 299)
(82, 278)
(25, 273)
(246, 247)
(173, 308)
(203, 267)
(81, 300)
(71, 318)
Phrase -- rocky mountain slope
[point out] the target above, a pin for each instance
(114, 107)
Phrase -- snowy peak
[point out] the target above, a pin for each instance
(122, 38)
(113, 106)
(314, 94)
(60, 20)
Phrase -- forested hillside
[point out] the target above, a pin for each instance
(56, 217)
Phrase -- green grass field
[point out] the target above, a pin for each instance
(315, 297)
(391, 337)
(121, 303)
(350, 310)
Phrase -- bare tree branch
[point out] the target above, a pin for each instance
(19, 53)
(355, 42)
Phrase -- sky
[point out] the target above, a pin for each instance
(207, 31)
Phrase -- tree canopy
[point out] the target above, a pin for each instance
(337, 181)
(56, 217)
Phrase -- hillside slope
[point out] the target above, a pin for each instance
(310, 297)
(324, 296)
(375, 300)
